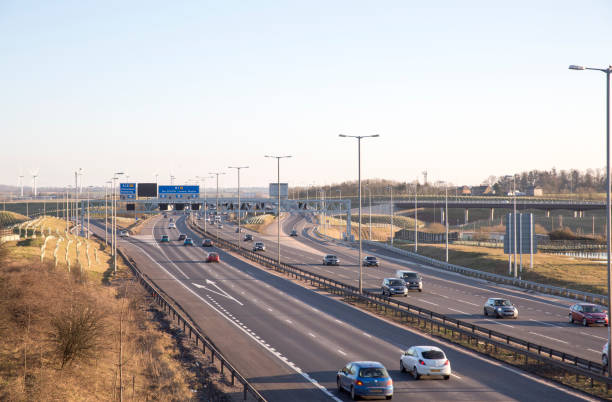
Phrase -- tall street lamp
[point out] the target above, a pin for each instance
(114, 212)
(106, 212)
(446, 216)
(278, 158)
(391, 211)
(217, 203)
(607, 71)
(203, 179)
(239, 206)
(359, 137)
(416, 218)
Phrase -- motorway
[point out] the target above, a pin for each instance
(289, 340)
(543, 319)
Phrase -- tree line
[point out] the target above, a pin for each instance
(551, 181)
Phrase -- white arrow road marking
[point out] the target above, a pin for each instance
(224, 294)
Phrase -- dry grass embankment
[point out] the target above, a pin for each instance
(336, 226)
(585, 275)
(258, 223)
(8, 218)
(60, 335)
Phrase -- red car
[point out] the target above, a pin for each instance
(212, 257)
(586, 314)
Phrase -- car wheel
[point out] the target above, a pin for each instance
(446, 377)
(415, 373)
(485, 312)
(389, 397)
(585, 323)
(338, 385)
(402, 368)
(353, 394)
(570, 319)
(604, 361)
(420, 290)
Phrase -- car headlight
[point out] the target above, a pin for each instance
(499, 309)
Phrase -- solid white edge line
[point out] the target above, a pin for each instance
(293, 367)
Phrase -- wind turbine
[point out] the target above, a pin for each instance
(34, 174)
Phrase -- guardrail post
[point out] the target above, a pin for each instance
(244, 392)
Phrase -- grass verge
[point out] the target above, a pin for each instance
(579, 274)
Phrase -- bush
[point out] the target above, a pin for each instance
(77, 334)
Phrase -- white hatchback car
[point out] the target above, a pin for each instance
(171, 225)
(425, 360)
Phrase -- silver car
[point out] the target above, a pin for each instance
(500, 308)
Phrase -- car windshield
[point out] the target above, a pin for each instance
(592, 309)
(410, 275)
(396, 282)
(502, 303)
(432, 354)
(373, 372)
(331, 256)
(213, 255)
(370, 258)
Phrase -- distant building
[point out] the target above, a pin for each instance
(535, 191)
(464, 190)
(482, 190)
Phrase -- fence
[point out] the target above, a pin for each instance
(190, 331)
(553, 358)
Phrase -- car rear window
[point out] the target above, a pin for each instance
(432, 354)
(396, 282)
(373, 372)
(410, 275)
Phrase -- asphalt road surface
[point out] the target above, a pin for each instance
(289, 341)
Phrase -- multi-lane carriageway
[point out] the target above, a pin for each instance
(543, 319)
(289, 341)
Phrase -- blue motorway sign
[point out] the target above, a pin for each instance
(179, 190)
(127, 188)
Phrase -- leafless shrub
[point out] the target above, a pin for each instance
(77, 333)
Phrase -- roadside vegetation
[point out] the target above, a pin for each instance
(8, 218)
(258, 223)
(72, 332)
(557, 270)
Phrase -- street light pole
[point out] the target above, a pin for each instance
(607, 71)
(359, 137)
(370, 196)
(114, 228)
(239, 209)
(416, 218)
(515, 262)
(446, 218)
(217, 203)
(106, 212)
(278, 228)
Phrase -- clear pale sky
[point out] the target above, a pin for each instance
(463, 90)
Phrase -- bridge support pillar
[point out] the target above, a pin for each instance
(581, 214)
(575, 214)
(548, 213)
(467, 215)
(442, 217)
(492, 214)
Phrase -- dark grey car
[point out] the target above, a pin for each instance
(394, 286)
(500, 308)
(413, 279)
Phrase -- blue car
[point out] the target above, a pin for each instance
(365, 379)
(165, 239)
(188, 242)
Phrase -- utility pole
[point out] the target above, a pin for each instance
(416, 218)
(217, 204)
